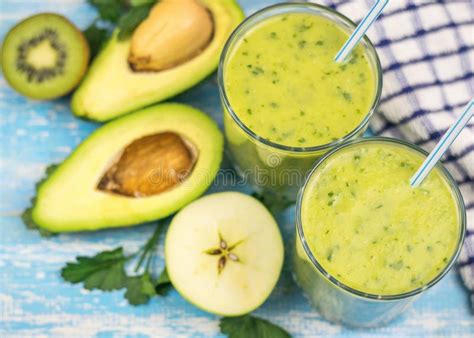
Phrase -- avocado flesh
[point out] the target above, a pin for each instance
(111, 88)
(70, 200)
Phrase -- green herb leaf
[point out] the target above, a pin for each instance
(130, 20)
(134, 3)
(396, 265)
(96, 37)
(139, 289)
(104, 271)
(26, 216)
(109, 10)
(257, 70)
(250, 327)
(30, 224)
(47, 173)
(163, 284)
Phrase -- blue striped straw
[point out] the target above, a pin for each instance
(360, 30)
(443, 145)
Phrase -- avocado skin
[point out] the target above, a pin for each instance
(69, 200)
(111, 88)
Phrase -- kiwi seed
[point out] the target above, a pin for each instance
(44, 73)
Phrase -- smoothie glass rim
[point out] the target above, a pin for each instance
(340, 20)
(447, 177)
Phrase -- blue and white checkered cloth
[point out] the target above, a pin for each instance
(427, 53)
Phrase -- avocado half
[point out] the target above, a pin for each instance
(72, 199)
(111, 88)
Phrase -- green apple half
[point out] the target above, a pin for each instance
(224, 253)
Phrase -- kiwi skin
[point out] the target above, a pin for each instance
(45, 90)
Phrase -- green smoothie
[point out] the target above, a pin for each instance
(283, 83)
(369, 229)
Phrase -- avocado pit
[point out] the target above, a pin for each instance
(150, 165)
(174, 32)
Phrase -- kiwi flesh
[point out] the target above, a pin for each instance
(44, 56)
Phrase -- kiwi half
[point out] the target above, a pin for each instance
(44, 56)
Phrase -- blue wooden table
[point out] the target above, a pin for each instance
(34, 301)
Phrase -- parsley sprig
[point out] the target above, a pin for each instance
(106, 271)
(26, 216)
(250, 327)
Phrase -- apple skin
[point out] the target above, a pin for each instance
(251, 235)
